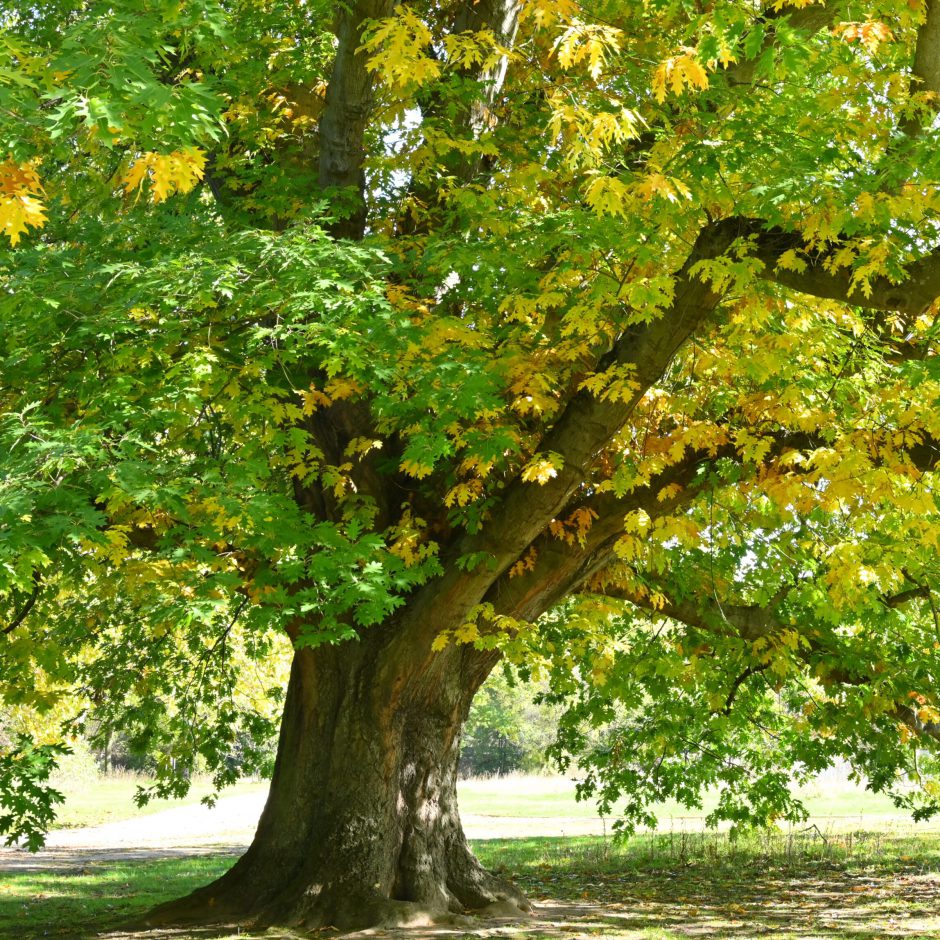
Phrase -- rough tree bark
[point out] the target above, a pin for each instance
(361, 825)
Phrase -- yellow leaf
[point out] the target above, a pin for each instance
(657, 184)
(169, 173)
(312, 399)
(398, 44)
(637, 521)
(678, 73)
(870, 34)
(928, 715)
(607, 195)
(541, 468)
(463, 493)
(467, 632)
(590, 42)
(19, 206)
(547, 12)
(791, 261)
(667, 492)
(415, 469)
(342, 387)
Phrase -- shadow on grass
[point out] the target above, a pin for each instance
(789, 885)
(663, 887)
(94, 895)
(73, 861)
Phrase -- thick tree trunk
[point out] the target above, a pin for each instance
(361, 825)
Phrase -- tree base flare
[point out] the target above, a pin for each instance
(344, 906)
(361, 828)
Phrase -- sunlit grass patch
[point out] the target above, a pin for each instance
(111, 798)
(83, 901)
(793, 885)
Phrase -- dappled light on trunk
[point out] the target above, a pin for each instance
(361, 826)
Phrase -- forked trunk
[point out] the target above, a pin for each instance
(361, 825)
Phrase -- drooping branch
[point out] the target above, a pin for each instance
(751, 622)
(748, 622)
(560, 567)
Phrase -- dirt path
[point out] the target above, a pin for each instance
(227, 827)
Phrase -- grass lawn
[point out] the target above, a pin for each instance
(839, 801)
(668, 886)
(111, 798)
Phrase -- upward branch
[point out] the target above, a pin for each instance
(580, 434)
(350, 97)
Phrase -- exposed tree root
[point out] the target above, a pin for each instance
(469, 892)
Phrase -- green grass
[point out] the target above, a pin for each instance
(82, 901)
(110, 799)
(554, 797)
(666, 886)
(791, 885)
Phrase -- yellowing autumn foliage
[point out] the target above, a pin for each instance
(870, 34)
(398, 44)
(169, 173)
(587, 42)
(678, 73)
(19, 205)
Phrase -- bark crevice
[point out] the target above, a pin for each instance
(361, 827)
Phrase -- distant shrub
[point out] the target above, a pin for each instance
(79, 766)
(508, 729)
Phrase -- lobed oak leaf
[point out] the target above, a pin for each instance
(176, 172)
(20, 208)
(870, 34)
(791, 261)
(679, 73)
(587, 42)
(19, 212)
(541, 468)
(415, 469)
(398, 44)
(547, 12)
(608, 196)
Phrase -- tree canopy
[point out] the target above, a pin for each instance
(600, 336)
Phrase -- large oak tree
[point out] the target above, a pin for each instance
(596, 337)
